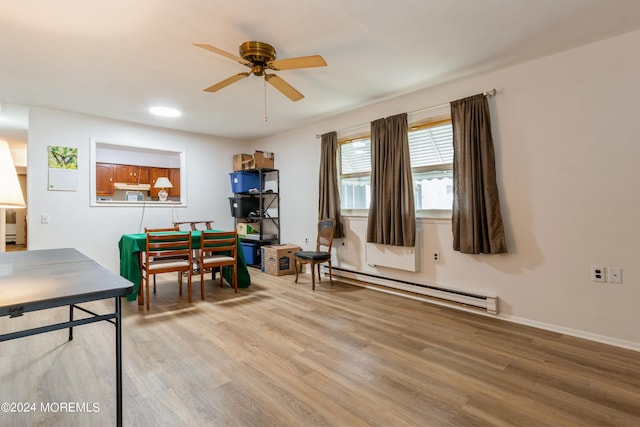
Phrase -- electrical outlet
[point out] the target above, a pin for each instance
(597, 273)
(614, 275)
(436, 257)
(306, 240)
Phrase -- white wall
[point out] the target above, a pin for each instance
(96, 230)
(566, 134)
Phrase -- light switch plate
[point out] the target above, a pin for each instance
(614, 275)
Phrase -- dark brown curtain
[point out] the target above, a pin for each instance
(392, 216)
(329, 196)
(477, 221)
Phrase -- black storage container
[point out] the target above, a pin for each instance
(244, 206)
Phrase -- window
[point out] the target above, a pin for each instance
(431, 152)
(122, 175)
(355, 173)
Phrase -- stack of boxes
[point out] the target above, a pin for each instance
(260, 159)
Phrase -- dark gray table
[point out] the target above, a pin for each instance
(43, 279)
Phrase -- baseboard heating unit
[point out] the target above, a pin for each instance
(450, 296)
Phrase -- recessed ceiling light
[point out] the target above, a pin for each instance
(165, 111)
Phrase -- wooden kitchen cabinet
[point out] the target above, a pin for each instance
(105, 174)
(127, 174)
(132, 174)
(144, 175)
(174, 177)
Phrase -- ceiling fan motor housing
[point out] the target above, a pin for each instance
(259, 54)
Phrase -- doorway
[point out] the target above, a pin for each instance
(14, 124)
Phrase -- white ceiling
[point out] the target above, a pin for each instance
(117, 58)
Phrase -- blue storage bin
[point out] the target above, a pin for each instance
(251, 252)
(245, 182)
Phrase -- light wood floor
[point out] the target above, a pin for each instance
(278, 354)
(12, 247)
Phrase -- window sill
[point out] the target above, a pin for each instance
(435, 215)
(148, 203)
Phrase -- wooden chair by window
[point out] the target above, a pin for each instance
(218, 249)
(326, 229)
(167, 252)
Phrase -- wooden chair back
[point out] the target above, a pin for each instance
(161, 230)
(168, 245)
(326, 230)
(166, 251)
(196, 225)
(217, 242)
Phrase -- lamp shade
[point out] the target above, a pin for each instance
(163, 182)
(10, 191)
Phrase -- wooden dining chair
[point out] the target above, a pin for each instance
(326, 228)
(193, 226)
(218, 249)
(165, 252)
(158, 230)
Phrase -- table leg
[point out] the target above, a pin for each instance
(70, 320)
(118, 322)
(140, 290)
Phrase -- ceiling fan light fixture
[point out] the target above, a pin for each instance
(162, 111)
(260, 57)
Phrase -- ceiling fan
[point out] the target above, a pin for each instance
(259, 57)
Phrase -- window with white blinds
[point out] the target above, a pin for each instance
(356, 156)
(431, 145)
(431, 152)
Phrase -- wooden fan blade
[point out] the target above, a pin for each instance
(301, 62)
(226, 82)
(284, 87)
(223, 53)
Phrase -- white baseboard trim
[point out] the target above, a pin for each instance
(629, 345)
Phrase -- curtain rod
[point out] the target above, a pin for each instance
(488, 94)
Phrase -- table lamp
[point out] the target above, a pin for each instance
(162, 183)
(10, 191)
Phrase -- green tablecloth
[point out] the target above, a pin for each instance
(131, 245)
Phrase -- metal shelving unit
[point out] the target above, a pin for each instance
(267, 217)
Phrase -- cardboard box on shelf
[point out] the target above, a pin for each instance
(263, 159)
(244, 228)
(242, 162)
(278, 260)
